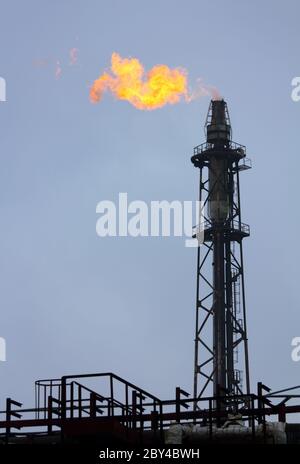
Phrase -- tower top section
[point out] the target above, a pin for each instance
(218, 127)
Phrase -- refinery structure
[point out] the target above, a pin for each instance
(220, 303)
(223, 406)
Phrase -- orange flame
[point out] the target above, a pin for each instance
(146, 91)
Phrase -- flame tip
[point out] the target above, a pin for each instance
(127, 80)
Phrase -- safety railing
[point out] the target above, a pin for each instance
(199, 149)
(137, 410)
(232, 225)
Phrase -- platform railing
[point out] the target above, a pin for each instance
(199, 149)
(141, 411)
(234, 225)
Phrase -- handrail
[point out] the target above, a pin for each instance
(114, 376)
(142, 410)
(209, 146)
(208, 224)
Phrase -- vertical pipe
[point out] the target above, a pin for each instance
(219, 378)
(50, 414)
(134, 409)
(127, 408)
(79, 402)
(63, 397)
(177, 405)
(8, 418)
(229, 300)
(112, 394)
(45, 401)
(196, 361)
(37, 405)
(229, 322)
(72, 399)
(243, 296)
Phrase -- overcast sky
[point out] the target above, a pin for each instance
(71, 302)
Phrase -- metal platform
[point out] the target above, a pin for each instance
(234, 230)
(233, 152)
(68, 410)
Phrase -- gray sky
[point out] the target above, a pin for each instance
(72, 302)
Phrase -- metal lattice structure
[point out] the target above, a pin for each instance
(221, 346)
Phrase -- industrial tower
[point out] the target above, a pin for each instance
(221, 346)
(101, 409)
